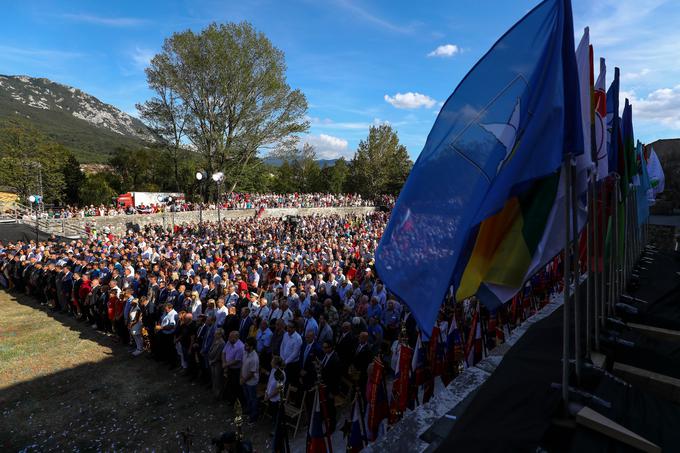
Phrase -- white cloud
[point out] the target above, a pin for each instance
(410, 100)
(328, 146)
(108, 21)
(659, 106)
(142, 57)
(445, 51)
(635, 75)
(361, 13)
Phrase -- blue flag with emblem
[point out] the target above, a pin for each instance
(508, 123)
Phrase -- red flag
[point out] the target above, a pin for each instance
(376, 393)
(400, 387)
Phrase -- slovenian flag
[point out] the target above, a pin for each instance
(318, 433)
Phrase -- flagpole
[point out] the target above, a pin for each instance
(576, 273)
(615, 246)
(596, 254)
(589, 267)
(567, 282)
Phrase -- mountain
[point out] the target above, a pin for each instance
(77, 120)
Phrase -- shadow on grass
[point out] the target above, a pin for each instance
(111, 401)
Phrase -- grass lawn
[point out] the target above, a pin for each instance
(67, 387)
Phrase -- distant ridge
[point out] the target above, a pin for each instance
(77, 120)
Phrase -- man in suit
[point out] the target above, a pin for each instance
(346, 347)
(245, 323)
(310, 352)
(330, 375)
(362, 358)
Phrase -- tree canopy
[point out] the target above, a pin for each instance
(226, 87)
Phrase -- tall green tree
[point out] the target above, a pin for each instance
(96, 189)
(166, 114)
(73, 179)
(380, 165)
(30, 163)
(230, 81)
(334, 177)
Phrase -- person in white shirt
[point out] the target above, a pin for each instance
(272, 393)
(221, 312)
(287, 286)
(196, 305)
(258, 307)
(331, 283)
(250, 376)
(290, 351)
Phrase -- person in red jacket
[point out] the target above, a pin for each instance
(83, 291)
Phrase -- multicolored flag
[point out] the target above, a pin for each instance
(474, 347)
(642, 185)
(613, 124)
(319, 433)
(502, 133)
(356, 440)
(401, 384)
(657, 179)
(600, 103)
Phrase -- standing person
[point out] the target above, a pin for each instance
(215, 362)
(135, 326)
(290, 352)
(310, 353)
(166, 329)
(271, 392)
(263, 340)
(149, 319)
(250, 376)
(277, 337)
(232, 360)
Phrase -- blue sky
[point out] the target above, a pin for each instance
(358, 62)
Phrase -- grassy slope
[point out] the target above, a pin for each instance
(65, 387)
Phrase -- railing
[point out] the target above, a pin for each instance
(17, 213)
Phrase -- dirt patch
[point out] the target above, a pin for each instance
(67, 387)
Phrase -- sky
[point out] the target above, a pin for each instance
(359, 63)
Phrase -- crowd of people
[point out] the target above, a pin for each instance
(229, 305)
(233, 200)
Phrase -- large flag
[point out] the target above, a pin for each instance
(318, 432)
(507, 125)
(584, 161)
(657, 179)
(642, 185)
(600, 101)
(627, 158)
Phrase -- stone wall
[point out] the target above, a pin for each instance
(118, 224)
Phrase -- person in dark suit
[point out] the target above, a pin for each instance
(330, 368)
(232, 321)
(330, 376)
(346, 347)
(310, 352)
(244, 323)
(362, 358)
